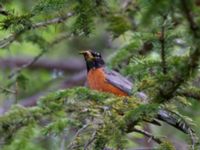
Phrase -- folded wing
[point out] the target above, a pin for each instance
(118, 81)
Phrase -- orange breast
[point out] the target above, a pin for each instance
(97, 81)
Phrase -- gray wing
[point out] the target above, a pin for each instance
(118, 81)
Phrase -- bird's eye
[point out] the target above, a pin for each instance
(96, 54)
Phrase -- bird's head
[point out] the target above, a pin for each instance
(93, 59)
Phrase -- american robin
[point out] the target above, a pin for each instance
(100, 78)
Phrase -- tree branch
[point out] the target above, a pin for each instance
(51, 21)
(7, 90)
(71, 145)
(191, 64)
(162, 43)
(37, 57)
(90, 141)
(151, 136)
(69, 65)
(11, 38)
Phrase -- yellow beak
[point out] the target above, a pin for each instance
(83, 52)
(87, 54)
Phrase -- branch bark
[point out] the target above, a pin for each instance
(69, 65)
(162, 43)
(52, 21)
(147, 134)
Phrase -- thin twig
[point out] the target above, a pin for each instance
(18, 70)
(151, 136)
(194, 139)
(7, 90)
(90, 141)
(76, 135)
(70, 65)
(37, 57)
(52, 21)
(7, 40)
(162, 43)
(12, 37)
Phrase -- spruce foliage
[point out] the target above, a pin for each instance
(160, 56)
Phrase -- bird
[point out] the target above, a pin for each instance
(103, 79)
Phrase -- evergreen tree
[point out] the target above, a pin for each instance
(153, 43)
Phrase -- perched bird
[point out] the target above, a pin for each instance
(100, 78)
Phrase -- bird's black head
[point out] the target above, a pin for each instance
(93, 59)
